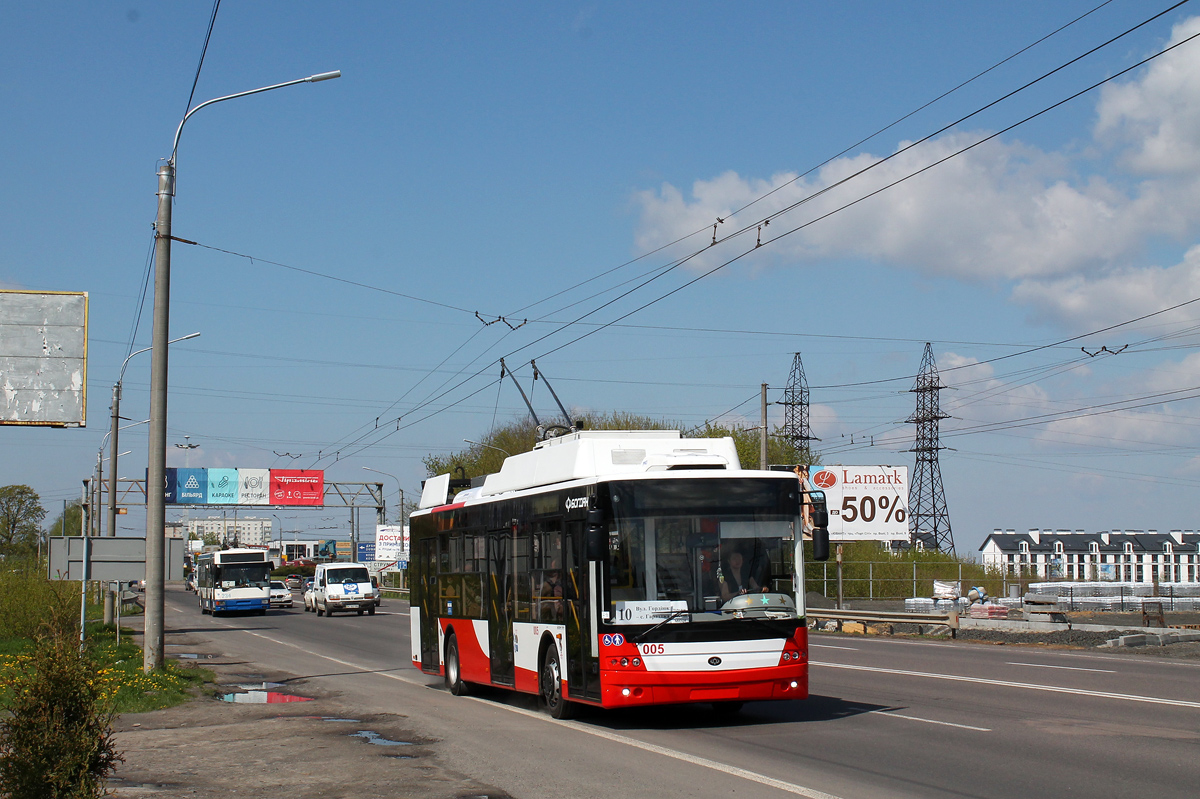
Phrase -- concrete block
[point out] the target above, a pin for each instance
(1133, 640)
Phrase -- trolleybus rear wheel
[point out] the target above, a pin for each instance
(454, 680)
(551, 687)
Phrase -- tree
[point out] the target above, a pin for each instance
(21, 515)
(69, 521)
(520, 435)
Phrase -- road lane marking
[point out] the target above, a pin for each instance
(752, 776)
(829, 646)
(890, 714)
(1154, 700)
(715, 765)
(1067, 668)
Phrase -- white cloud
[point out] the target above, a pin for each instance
(1002, 212)
(982, 397)
(1079, 301)
(1156, 116)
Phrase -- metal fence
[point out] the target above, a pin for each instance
(899, 579)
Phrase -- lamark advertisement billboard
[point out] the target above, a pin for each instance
(244, 487)
(866, 503)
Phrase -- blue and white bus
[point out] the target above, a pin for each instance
(234, 580)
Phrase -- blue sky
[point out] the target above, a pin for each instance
(490, 159)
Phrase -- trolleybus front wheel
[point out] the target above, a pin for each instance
(551, 685)
(454, 680)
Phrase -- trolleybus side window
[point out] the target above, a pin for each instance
(460, 567)
(547, 571)
(521, 572)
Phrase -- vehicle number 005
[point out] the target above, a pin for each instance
(653, 649)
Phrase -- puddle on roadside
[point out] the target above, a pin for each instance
(257, 686)
(192, 656)
(331, 718)
(377, 739)
(263, 698)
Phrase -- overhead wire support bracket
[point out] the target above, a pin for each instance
(1103, 349)
(511, 326)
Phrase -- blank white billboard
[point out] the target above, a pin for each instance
(43, 358)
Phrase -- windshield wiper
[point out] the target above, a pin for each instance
(674, 615)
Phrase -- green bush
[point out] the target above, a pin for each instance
(28, 600)
(284, 571)
(57, 744)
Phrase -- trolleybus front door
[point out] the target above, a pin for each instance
(427, 574)
(502, 598)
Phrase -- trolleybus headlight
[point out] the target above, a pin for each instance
(624, 692)
(795, 684)
(637, 661)
(624, 661)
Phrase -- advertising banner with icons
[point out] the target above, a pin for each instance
(191, 486)
(866, 503)
(244, 487)
(254, 485)
(297, 487)
(222, 487)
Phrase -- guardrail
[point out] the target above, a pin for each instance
(885, 617)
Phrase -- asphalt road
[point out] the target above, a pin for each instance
(886, 718)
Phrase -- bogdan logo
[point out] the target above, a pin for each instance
(824, 479)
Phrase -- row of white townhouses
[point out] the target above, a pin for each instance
(1132, 556)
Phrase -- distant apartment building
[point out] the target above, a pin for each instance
(1131, 556)
(246, 531)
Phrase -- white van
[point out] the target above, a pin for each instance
(343, 587)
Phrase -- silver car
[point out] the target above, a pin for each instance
(281, 595)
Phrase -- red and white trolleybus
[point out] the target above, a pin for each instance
(616, 568)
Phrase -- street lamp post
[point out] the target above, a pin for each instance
(113, 455)
(398, 488)
(156, 465)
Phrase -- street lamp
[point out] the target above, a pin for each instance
(398, 488)
(156, 462)
(113, 455)
(114, 429)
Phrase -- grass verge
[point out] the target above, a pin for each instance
(117, 671)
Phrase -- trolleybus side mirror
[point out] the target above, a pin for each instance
(594, 534)
(820, 539)
(820, 518)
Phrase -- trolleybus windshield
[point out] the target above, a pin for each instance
(242, 575)
(693, 545)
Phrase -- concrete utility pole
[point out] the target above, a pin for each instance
(156, 462)
(762, 438)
